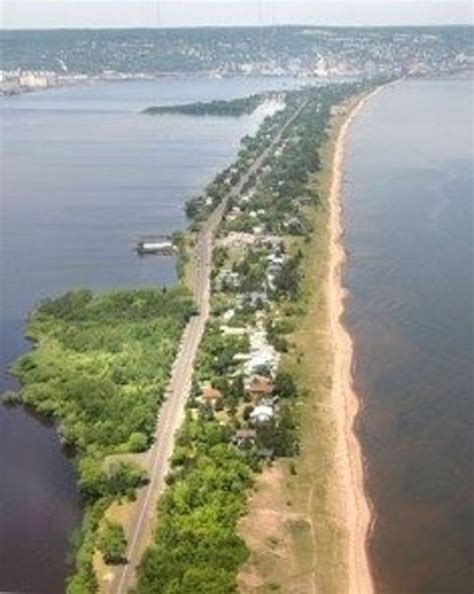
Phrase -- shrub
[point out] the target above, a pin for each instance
(112, 542)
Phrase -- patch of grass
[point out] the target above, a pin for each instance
(312, 489)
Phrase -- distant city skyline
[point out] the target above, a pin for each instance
(19, 14)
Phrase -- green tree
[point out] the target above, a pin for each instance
(285, 386)
(137, 442)
(112, 542)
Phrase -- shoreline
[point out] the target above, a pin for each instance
(299, 507)
(349, 461)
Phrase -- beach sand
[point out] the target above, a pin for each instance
(349, 460)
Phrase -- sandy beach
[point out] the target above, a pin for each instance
(349, 460)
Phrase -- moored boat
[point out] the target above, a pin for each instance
(155, 245)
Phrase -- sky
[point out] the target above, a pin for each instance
(19, 14)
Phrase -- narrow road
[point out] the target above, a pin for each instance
(172, 411)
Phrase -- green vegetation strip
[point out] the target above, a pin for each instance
(196, 547)
(99, 368)
(232, 108)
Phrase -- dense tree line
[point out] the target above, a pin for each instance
(198, 208)
(216, 355)
(196, 549)
(281, 191)
(223, 108)
(99, 368)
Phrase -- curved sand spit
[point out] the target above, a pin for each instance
(349, 460)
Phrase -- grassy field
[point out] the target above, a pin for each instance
(292, 527)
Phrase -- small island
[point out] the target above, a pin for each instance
(219, 107)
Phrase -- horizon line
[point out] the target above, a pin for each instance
(249, 26)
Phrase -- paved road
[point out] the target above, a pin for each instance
(173, 409)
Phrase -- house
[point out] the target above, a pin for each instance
(268, 401)
(228, 315)
(261, 413)
(259, 387)
(276, 259)
(256, 299)
(237, 239)
(233, 214)
(264, 358)
(271, 242)
(210, 395)
(294, 226)
(227, 280)
(244, 437)
(274, 268)
(263, 355)
(266, 454)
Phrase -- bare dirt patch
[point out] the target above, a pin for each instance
(271, 529)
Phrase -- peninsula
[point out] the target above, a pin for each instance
(224, 357)
(206, 437)
(244, 413)
(230, 108)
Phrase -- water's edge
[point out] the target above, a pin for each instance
(408, 233)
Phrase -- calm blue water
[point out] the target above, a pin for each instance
(82, 175)
(408, 199)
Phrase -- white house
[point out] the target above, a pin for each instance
(261, 413)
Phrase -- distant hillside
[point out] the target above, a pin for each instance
(269, 50)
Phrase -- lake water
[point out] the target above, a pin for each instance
(83, 174)
(408, 215)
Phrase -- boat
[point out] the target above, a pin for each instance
(155, 245)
